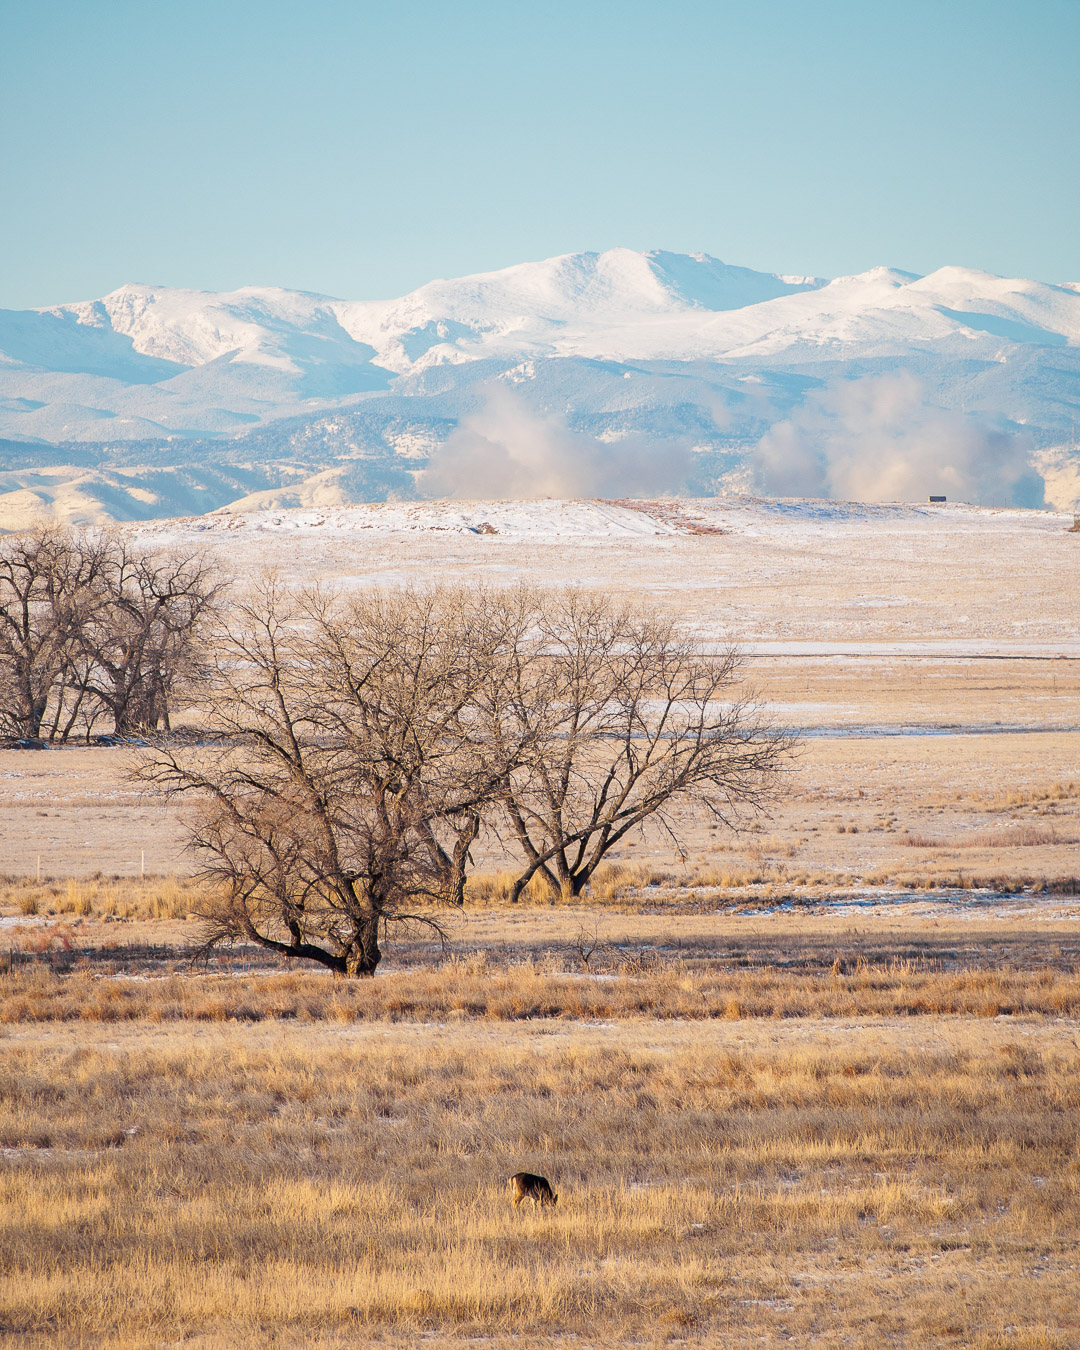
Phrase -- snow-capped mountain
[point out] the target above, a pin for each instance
(191, 362)
(647, 353)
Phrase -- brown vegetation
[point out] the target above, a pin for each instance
(776, 1113)
(100, 896)
(1023, 836)
(623, 984)
(242, 1191)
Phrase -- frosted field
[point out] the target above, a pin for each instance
(869, 580)
(930, 654)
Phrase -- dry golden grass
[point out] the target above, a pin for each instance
(1004, 801)
(774, 1130)
(644, 985)
(152, 897)
(1023, 836)
(320, 1189)
(320, 1163)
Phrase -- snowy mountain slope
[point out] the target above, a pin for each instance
(528, 307)
(191, 363)
(682, 351)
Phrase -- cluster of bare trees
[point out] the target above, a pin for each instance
(355, 750)
(95, 633)
(360, 747)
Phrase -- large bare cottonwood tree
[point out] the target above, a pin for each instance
(92, 625)
(359, 748)
(352, 771)
(139, 640)
(48, 584)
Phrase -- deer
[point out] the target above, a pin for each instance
(528, 1186)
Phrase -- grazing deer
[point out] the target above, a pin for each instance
(528, 1186)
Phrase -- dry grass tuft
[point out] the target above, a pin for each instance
(169, 897)
(1024, 836)
(1057, 791)
(485, 889)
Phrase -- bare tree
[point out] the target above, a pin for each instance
(627, 721)
(360, 747)
(138, 640)
(47, 584)
(89, 623)
(353, 769)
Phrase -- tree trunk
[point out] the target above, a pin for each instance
(37, 716)
(538, 869)
(364, 955)
(465, 840)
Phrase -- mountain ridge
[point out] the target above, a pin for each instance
(656, 353)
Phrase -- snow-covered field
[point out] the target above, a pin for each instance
(862, 625)
(798, 579)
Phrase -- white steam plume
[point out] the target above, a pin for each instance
(876, 439)
(506, 450)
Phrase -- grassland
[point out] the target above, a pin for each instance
(524, 967)
(805, 1085)
(811, 1084)
(798, 1127)
(797, 1182)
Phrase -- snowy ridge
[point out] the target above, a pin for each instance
(675, 365)
(654, 519)
(147, 360)
(516, 520)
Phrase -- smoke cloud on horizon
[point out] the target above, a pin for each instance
(505, 450)
(877, 439)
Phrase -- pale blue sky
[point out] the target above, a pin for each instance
(361, 149)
